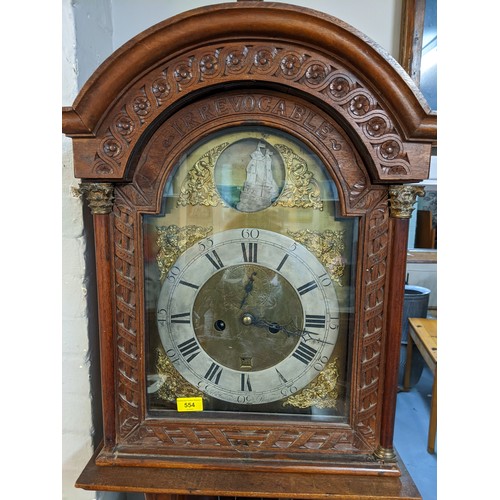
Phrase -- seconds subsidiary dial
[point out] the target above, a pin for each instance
(248, 316)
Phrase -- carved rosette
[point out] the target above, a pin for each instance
(402, 200)
(302, 69)
(100, 196)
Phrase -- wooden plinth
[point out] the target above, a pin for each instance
(168, 484)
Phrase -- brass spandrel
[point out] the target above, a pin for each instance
(174, 385)
(298, 189)
(328, 246)
(198, 187)
(321, 392)
(173, 240)
(301, 189)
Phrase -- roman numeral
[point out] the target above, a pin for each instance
(307, 287)
(215, 259)
(181, 318)
(315, 321)
(186, 283)
(213, 374)
(305, 353)
(283, 260)
(245, 382)
(189, 349)
(249, 252)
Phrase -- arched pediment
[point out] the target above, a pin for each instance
(248, 44)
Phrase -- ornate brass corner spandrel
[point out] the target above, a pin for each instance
(173, 240)
(402, 200)
(328, 246)
(321, 392)
(100, 196)
(301, 188)
(199, 187)
(171, 385)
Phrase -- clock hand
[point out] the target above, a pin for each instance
(273, 327)
(248, 288)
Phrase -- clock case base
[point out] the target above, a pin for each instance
(315, 464)
(174, 483)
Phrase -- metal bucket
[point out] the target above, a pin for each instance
(416, 303)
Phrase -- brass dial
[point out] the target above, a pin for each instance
(248, 316)
(228, 312)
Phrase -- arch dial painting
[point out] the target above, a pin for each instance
(248, 277)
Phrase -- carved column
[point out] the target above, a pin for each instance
(100, 197)
(402, 200)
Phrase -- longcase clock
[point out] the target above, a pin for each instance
(251, 169)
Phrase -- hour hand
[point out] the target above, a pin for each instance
(248, 288)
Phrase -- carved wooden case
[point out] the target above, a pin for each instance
(294, 70)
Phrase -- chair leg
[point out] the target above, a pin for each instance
(433, 417)
(407, 374)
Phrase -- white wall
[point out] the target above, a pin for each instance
(86, 36)
(92, 30)
(379, 19)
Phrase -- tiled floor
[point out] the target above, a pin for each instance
(410, 435)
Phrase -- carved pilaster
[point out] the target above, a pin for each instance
(100, 196)
(402, 200)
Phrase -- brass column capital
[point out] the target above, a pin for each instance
(100, 196)
(402, 199)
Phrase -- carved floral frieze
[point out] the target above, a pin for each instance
(307, 71)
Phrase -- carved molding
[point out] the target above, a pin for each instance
(133, 429)
(287, 65)
(374, 282)
(128, 363)
(271, 109)
(234, 440)
(402, 200)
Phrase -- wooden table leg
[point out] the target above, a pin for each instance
(433, 417)
(409, 354)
